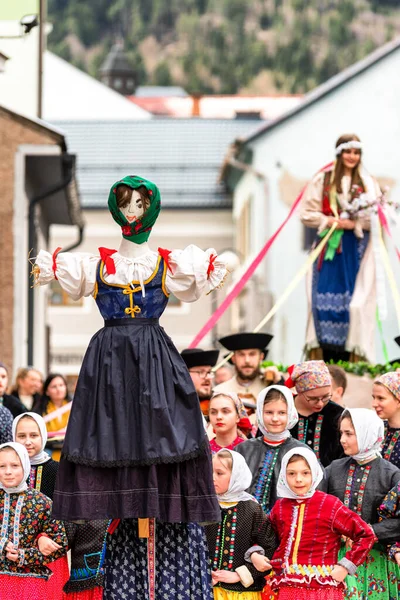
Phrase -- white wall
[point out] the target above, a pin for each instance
(368, 105)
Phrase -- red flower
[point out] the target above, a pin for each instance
(138, 226)
(126, 230)
(150, 193)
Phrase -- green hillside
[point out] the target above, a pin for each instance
(224, 46)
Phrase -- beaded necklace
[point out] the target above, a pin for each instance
(6, 520)
(388, 452)
(349, 484)
(221, 538)
(302, 432)
(33, 477)
(262, 490)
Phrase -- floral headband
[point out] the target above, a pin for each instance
(348, 146)
(308, 375)
(139, 231)
(392, 382)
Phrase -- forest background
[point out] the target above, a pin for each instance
(224, 46)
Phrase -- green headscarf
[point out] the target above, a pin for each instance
(138, 231)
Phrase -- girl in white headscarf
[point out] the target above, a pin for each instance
(276, 415)
(25, 516)
(242, 525)
(309, 525)
(29, 429)
(361, 481)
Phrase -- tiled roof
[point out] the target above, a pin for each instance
(182, 156)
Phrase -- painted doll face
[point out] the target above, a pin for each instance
(223, 415)
(135, 209)
(275, 416)
(221, 475)
(28, 434)
(383, 402)
(11, 471)
(299, 476)
(348, 437)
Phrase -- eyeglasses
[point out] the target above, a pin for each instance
(203, 374)
(323, 399)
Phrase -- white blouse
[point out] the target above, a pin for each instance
(191, 271)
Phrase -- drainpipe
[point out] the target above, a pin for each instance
(32, 241)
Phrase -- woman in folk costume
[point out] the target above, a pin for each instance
(276, 415)
(386, 403)
(390, 509)
(25, 516)
(343, 289)
(309, 525)
(317, 425)
(361, 482)
(243, 524)
(134, 380)
(227, 414)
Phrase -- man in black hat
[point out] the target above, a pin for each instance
(199, 363)
(249, 349)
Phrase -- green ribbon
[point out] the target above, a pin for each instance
(333, 243)
(139, 231)
(380, 329)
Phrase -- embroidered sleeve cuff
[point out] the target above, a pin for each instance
(347, 564)
(246, 578)
(249, 552)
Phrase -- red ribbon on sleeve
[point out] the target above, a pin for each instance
(211, 266)
(165, 255)
(105, 255)
(56, 251)
(113, 526)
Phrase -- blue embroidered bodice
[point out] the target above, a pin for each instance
(118, 301)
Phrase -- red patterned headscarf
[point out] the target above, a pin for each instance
(308, 375)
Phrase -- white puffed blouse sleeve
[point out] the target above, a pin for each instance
(192, 272)
(75, 271)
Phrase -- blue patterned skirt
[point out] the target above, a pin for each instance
(172, 563)
(333, 285)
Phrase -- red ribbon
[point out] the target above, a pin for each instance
(105, 255)
(385, 225)
(165, 255)
(289, 383)
(237, 288)
(56, 251)
(211, 266)
(113, 526)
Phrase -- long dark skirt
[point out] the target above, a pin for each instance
(135, 444)
(171, 563)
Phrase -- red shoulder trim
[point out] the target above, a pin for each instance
(105, 255)
(164, 253)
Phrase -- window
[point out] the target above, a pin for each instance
(59, 297)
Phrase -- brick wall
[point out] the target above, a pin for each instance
(14, 131)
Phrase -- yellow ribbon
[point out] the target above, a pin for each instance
(312, 257)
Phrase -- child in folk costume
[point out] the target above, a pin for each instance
(226, 411)
(243, 524)
(25, 517)
(276, 415)
(361, 482)
(86, 541)
(386, 403)
(309, 525)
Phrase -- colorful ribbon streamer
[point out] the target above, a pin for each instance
(249, 272)
(312, 257)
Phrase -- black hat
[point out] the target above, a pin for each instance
(196, 357)
(245, 341)
(396, 360)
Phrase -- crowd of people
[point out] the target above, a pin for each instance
(309, 490)
(181, 477)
